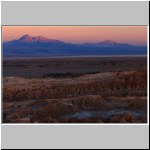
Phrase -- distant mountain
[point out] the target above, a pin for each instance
(27, 39)
(27, 46)
(107, 43)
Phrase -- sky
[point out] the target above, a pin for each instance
(135, 35)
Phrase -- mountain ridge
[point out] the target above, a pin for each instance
(28, 38)
(28, 45)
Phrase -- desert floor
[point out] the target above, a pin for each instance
(75, 90)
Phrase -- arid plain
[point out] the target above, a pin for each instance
(75, 90)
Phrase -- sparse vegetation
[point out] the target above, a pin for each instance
(57, 97)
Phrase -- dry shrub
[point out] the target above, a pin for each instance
(22, 120)
(127, 118)
(137, 103)
(12, 117)
(91, 102)
(86, 100)
(6, 105)
(18, 115)
(52, 111)
(24, 112)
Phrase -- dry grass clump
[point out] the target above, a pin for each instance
(52, 112)
(21, 120)
(7, 105)
(18, 114)
(127, 118)
(89, 101)
(12, 116)
(137, 104)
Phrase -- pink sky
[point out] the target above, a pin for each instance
(136, 35)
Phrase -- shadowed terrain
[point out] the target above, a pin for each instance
(75, 90)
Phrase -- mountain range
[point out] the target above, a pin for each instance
(29, 46)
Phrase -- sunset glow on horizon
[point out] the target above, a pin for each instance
(135, 35)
